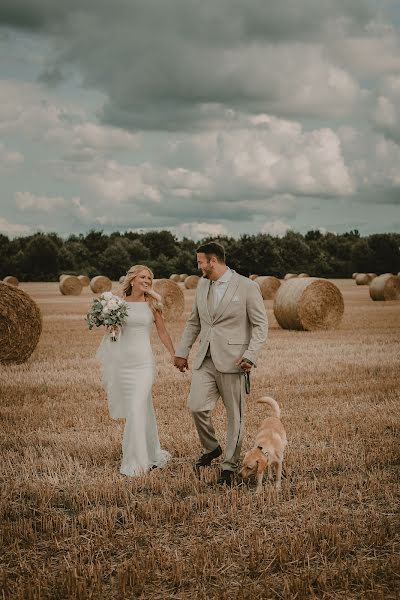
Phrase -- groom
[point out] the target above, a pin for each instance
(229, 314)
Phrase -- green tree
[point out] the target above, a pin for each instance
(41, 258)
(160, 242)
(361, 256)
(114, 261)
(295, 252)
(385, 253)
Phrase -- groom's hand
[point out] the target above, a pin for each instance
(181, 363)
(244, 363)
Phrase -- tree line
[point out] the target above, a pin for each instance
(44, 256)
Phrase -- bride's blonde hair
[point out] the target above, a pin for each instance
(154, 300)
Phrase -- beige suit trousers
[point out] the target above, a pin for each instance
(207, 386)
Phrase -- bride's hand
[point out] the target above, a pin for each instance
(113, 328)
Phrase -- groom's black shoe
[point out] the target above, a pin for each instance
(206, 459)
(226, 478)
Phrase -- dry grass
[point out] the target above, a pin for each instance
(73, 528)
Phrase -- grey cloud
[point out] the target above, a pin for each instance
(160, 63)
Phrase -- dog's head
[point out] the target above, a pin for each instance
(253, 461)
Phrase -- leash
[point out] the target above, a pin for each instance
(247, 385)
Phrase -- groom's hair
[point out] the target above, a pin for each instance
(213, 249)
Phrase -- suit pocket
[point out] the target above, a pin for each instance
(238, 342)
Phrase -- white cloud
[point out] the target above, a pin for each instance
(26, 201)
(197, 231)
(9, 158)
(90, 139)
(118, 183)
(79, 209)
(13, 229)
(373, 53)
(277, 158)
(276, 228)
(27, 109)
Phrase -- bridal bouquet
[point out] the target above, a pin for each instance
(108, 310)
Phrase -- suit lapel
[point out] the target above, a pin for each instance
(203, 300)
(230, 291)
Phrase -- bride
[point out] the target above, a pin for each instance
(128, 373)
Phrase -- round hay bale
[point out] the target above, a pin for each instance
(308, 304)
(290, 276)
(253, 276)
(303, 275)
(363, 279)
(20, 325)
(372, 275)
(175, 277)
(192, 282)
(183, 276)
(354, 275)
(385, 287)
(121, 279)
(63, 276)
(84, 279)
(269, 285)
(100, 284)
(11, 280)
(70, 286)
(173, 298)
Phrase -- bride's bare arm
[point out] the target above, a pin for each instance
(163, 333)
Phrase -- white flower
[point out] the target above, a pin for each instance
(107, 295)
(112, 304)
(106, 310)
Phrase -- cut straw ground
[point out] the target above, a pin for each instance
(73, 528)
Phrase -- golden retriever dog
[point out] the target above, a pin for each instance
(268, 450)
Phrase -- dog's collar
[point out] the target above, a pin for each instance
(262, 450)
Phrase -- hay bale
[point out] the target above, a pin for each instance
(63, 276)
(385, 287)
(290, 276)
(269, 285)
(372, 275)
(100, 284)
(11, 280)
(253, 276)
(354, 275)
(172, 296)
(84, 279)
(20, 325)
(183, 276)
(70, 286)
(308, 304)
(192, 282)
(121, 279)
(175, 277)
(363, 279)
(303, 275)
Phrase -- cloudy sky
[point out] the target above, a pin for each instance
(211, 116)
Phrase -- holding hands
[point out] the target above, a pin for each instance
(181, 363)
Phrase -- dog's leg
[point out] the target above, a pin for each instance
(260, 474)
(278, 475)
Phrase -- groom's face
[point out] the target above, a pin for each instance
(204, 265)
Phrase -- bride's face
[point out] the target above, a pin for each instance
(142, 281)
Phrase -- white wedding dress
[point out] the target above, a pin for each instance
(128, 374)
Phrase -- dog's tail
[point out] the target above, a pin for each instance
(272, 404)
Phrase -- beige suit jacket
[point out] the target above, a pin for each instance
(239, 327)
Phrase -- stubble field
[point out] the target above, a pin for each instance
(72, 527)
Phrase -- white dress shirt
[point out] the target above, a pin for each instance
(220, 287)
